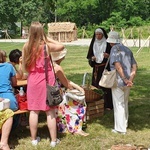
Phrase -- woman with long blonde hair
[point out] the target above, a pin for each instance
(33, 63)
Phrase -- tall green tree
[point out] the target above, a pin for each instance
(83, 13)
(9, 13)
(26, 11)
(31, 10)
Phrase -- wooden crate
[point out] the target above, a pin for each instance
(95, 109)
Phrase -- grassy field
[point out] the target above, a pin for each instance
(100, 138)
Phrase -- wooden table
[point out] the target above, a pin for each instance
(20, 112)
(21, 82)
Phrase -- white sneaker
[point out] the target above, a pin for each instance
(35, 142)
(53, 144)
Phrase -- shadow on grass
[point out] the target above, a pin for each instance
(139, 106)
(23, 132)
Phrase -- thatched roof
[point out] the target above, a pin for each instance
(61, 27)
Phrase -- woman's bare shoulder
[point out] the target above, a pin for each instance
(25, 45)
(58, 68)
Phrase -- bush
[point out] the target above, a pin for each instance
(135, 21)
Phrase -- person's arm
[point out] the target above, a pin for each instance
(61, 76)
(54, 46)
(13, 78)
(19, 72)
(93, 58)
(21, 75)
(77, 87)
(23, 66)
(119, 69)
(20, 66)
(133, 72)
(14, 81)
(122, 75)
(106, 55)
(63, 79)
(52, 41)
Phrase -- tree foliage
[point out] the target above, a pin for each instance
(121, 13)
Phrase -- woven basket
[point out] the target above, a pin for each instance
(91, 95)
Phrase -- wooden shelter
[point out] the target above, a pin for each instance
(62, 31)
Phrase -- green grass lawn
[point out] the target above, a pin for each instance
(100, 138)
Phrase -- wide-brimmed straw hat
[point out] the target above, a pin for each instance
(113, 37)
(58, 55)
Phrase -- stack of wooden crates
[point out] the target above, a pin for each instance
(95, 104)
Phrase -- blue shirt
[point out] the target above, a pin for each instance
(7, 71)
(123, 55)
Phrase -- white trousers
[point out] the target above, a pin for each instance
(120, 103)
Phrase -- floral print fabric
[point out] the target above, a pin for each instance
(70, 116)
(4, 115)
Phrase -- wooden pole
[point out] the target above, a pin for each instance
(139, 38)
(148, 39)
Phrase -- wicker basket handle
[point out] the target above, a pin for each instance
(86, 76)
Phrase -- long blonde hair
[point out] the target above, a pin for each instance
(32, 49)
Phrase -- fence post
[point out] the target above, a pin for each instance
(139, 38)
